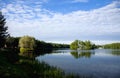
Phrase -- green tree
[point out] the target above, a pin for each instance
(83, 45)
(12, 42)
(112, 46)
(27, 42)
(88, 45)
(74, 45)
(3, 30)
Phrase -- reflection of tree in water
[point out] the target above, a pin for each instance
(81, 54)
(117, 53)
(26, 52)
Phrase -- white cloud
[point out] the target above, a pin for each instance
(49, 26)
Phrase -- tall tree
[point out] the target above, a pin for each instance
(3, 30)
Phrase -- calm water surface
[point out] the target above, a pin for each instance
(99, 63)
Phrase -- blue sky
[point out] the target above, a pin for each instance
(66, 6)
(63, 21)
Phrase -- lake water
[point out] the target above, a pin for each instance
(99, 63)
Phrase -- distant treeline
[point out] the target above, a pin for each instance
(112, 46)
(13, 42)
(44, 46)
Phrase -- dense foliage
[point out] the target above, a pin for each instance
(74, 45)
(40, 46)
(27, 42)
(3, 30)
(112, 46)
(56, 45)
(44, 47)
(12, 42)
(82, 45)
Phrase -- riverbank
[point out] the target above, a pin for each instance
(14, 66)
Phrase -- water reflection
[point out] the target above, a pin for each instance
(74, 53)
(27, 52)
(115, 52)
(101, 60)
(81, 54)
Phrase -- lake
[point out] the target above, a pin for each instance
(99, 63)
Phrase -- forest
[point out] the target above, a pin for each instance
(112, 46)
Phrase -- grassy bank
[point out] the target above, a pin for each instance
(14, 66)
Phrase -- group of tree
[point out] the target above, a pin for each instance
(112, 46)
(82, 45)
(57, 45)
(30, 43)
(14, 42)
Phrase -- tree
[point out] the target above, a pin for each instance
(12, 42)
(112, 46)
(27, 42)
(3, 30)
(82, 45)
(88, 45)
(74, 45)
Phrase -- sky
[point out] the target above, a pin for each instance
(63, 21)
